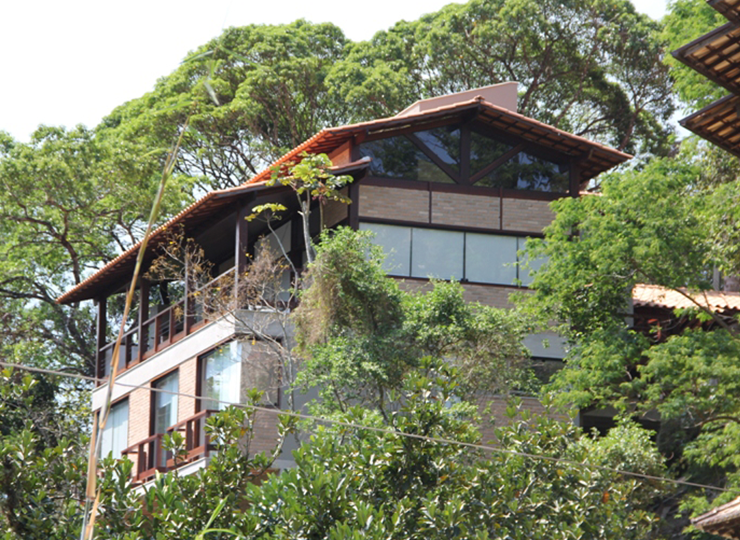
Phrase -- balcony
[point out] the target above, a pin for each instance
(151, 458)
(154, 334)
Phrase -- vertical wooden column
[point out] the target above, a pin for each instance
(187, 301)
(575, 178)
(354, 207)
(143, 316)
(100, 329)
(241, 259)
(296, 242)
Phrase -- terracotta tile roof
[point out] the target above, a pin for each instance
(723, 520)
(728, 8)
(656, 296)
(121, 268)
(596, 158)
(718, 123)
(715, 55)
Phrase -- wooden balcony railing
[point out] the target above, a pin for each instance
(159, 331)
(152, 458)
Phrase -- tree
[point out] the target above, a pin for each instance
(359, 333)
(589, 67)
(42, 459)
(660, 225)
(266, 94)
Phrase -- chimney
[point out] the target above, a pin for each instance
(503, 95)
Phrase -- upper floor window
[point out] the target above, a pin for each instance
(444, 254)
(444, 154)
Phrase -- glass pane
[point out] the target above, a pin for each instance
(484, 151)
(398, 157)
(437, 254)
(445, 143)
(165, 403)
(527, 267)
(396, 244)
(490, 259)
(221, 376)
(115, 435)
(527, 172)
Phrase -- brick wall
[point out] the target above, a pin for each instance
(139, 414)
(335, 211)
(188, 381)
(489, 295)
(493, 414)
(464, 210)
(394, 203)
(526, 215)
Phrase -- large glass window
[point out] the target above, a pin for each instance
(490, 258)
(436, 253)
(402, 157)
(220, 377)
(115, 434)
(398, 157)
(527, 172)
(477, 257)
(396, 242)
(165, 402)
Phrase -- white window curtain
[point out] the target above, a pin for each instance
(221, 377)
(115, 434)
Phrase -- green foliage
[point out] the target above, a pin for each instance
(353, 483)
(359, 333)
(665, 224)
(644, 227)
(686, 21)
(590, 67)
(43, 461)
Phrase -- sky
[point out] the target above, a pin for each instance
(72, 62)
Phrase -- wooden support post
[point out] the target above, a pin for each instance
(241, 258)
(354, 207)
(187, 302)
(143, 316)
(575, 178)
(296, 242)
(101, 328)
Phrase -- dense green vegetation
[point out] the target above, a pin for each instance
(71, 200)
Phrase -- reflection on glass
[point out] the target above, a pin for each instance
(398, 157)
(396, 244)
(115, 434)
(437, 254)
(484, 151)
(165, 403)
(528, 266)
(221, 377)
(528, 172)
(445, 143)
(490, 259)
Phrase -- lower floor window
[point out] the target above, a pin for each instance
(115, 434)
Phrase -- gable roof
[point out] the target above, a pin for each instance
(595, 158)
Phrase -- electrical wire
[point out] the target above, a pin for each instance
(384, 431)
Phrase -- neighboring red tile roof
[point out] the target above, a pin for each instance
(723, 520)
(656, 296)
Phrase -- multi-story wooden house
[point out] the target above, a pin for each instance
(451, 187)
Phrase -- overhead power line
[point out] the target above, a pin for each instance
(384, 431)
